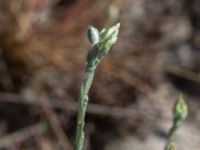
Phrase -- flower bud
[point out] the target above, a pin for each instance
(180, 109)
(93, 35)
(101, 42)
(171, 146)
(108, 38)
(112, 34)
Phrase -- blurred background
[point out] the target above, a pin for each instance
(43, 47)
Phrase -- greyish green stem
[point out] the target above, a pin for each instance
(171, 134)
(180, 111)
(83, 101)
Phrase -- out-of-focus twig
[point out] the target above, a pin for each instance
(22, 135)
(55, 124)
(5, 76)
(116, 112)
(134, 81)
(183, 72)
(43, 143)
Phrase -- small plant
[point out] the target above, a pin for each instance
(100, 44)
(180, 111)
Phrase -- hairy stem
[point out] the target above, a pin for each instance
(83, 101)
(100, 44)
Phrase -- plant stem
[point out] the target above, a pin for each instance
(171, 133)
(83, 101)
(100, 44)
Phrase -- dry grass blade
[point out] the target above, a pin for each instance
(55, 124)
(116, 112)
(22, 135)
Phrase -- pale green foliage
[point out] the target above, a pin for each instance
(180, 111)
(100, 44)
(112, 16)
(171, 146)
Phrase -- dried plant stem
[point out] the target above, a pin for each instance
(55, 123)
